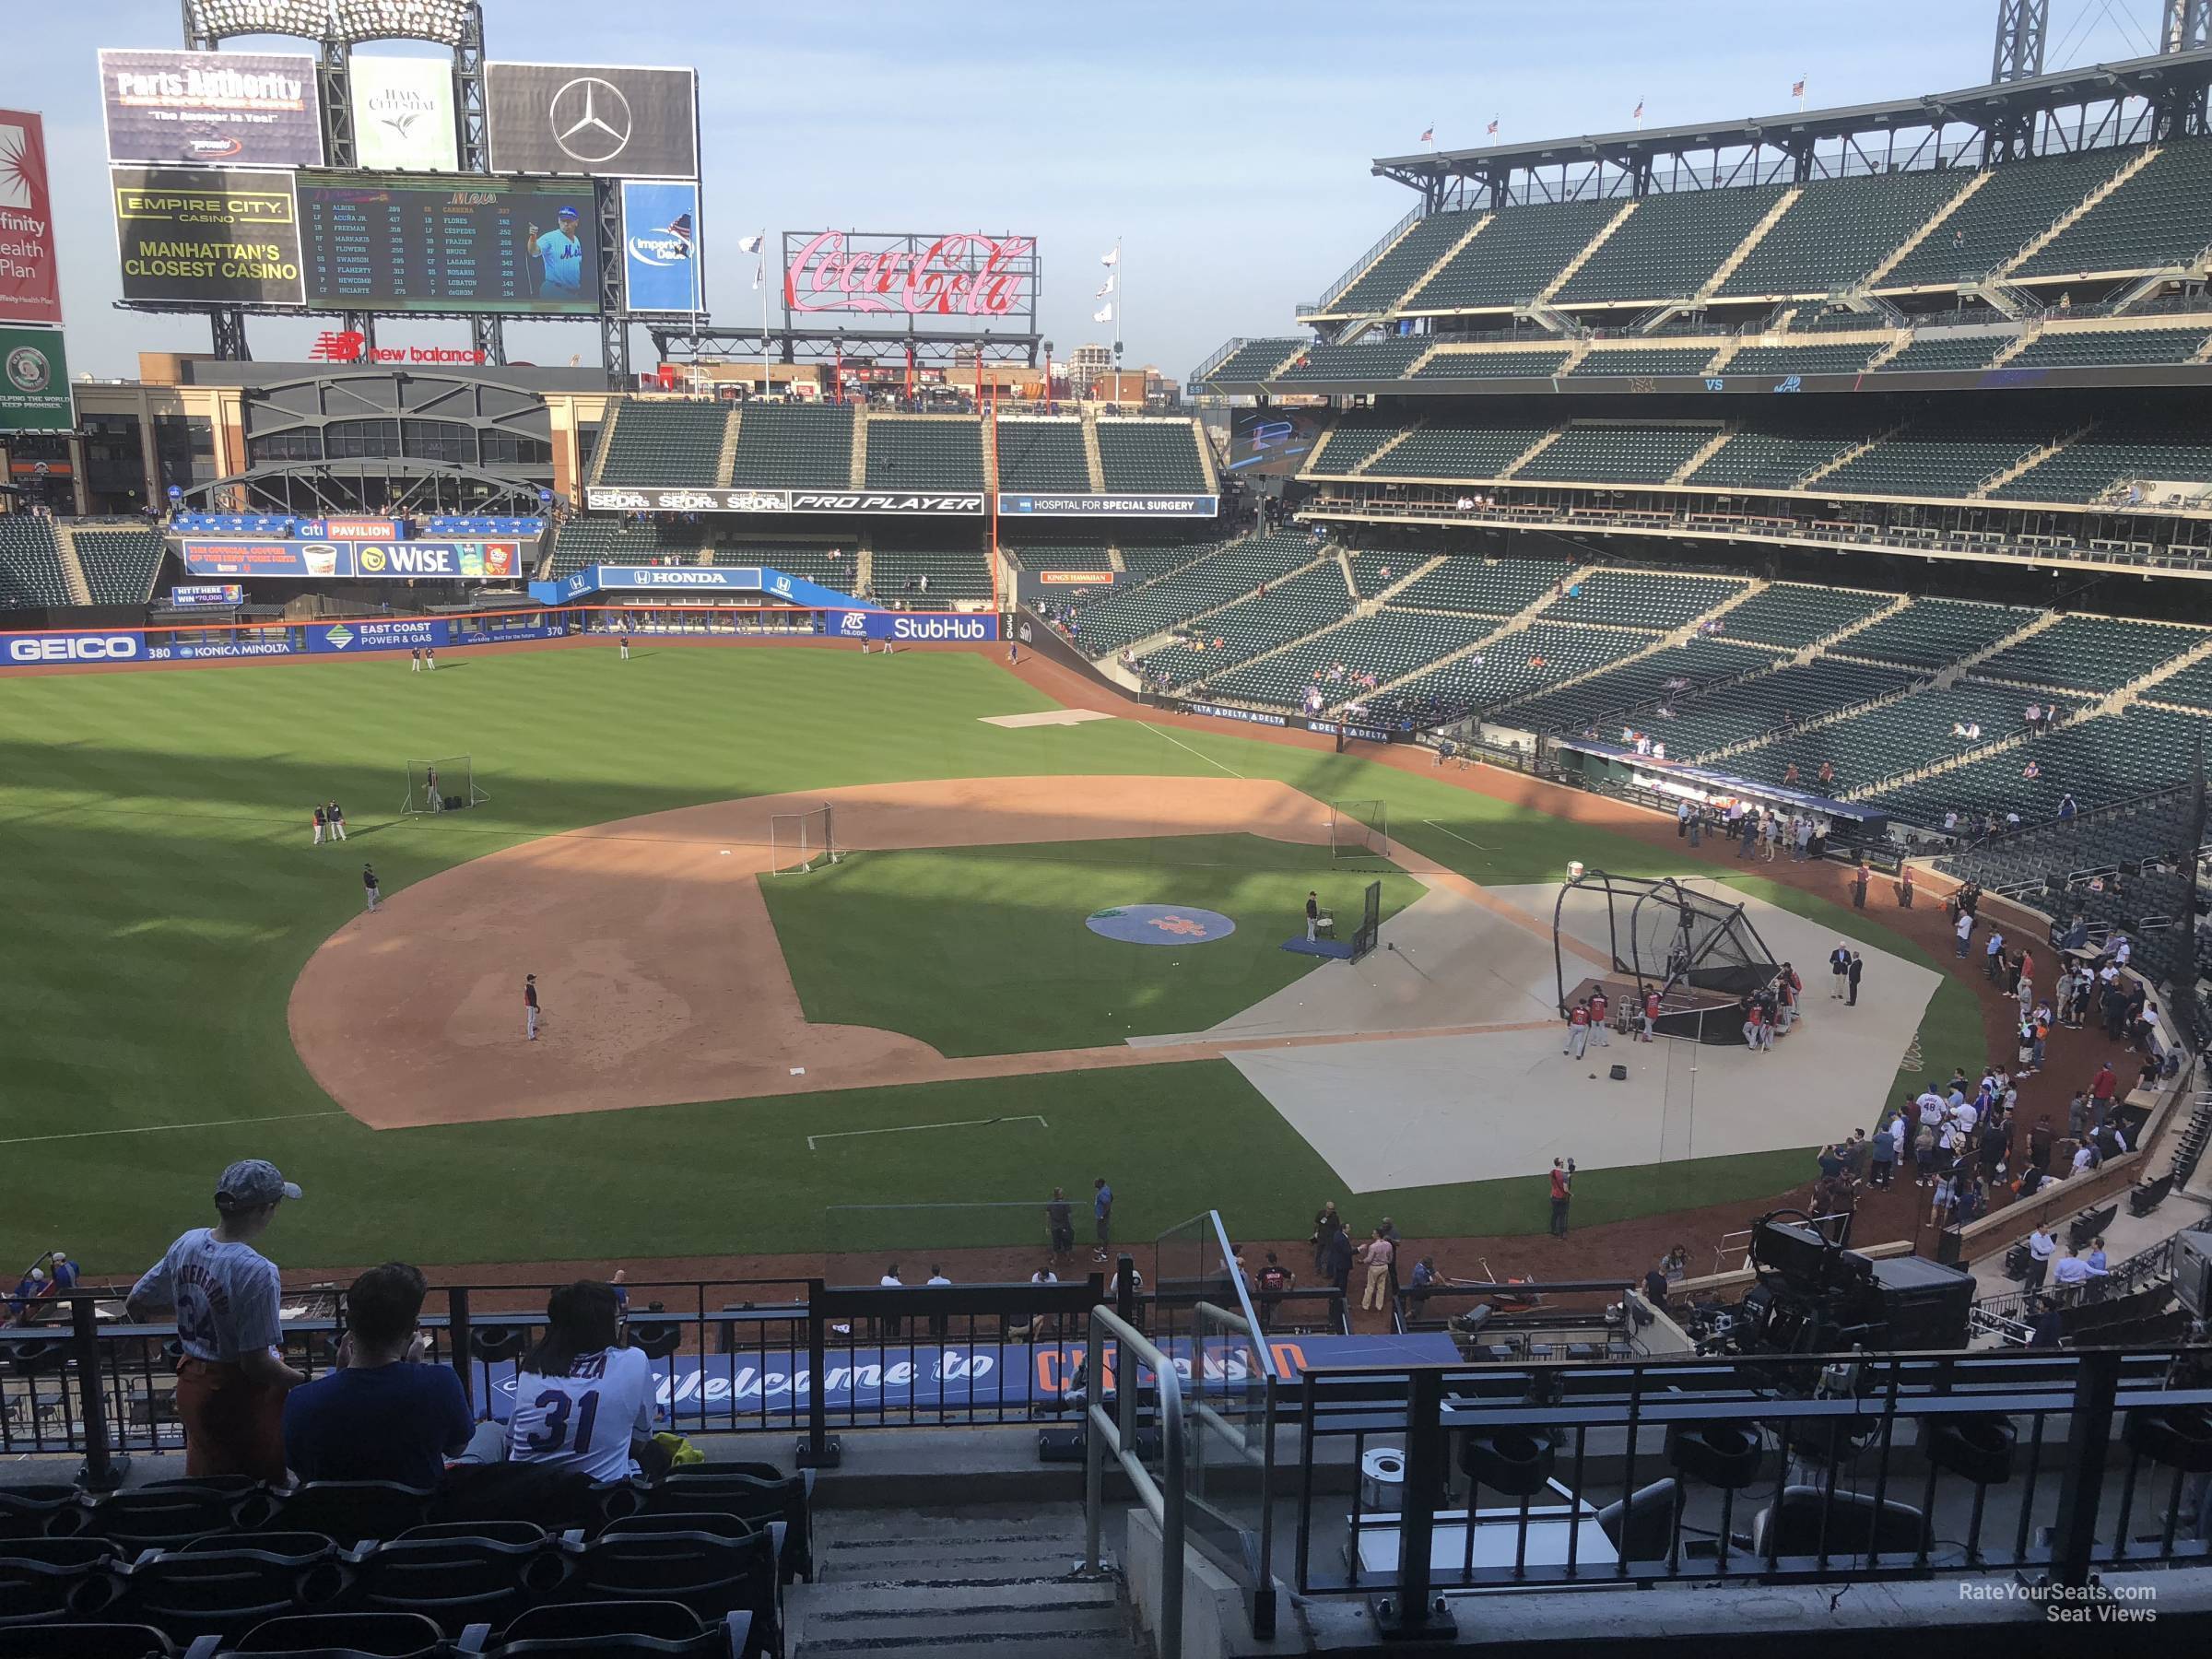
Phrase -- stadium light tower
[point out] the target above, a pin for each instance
(439, 20)
(2021, 28)
(207, 22)
(2187, 26)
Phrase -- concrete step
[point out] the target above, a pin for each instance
(999, 1582)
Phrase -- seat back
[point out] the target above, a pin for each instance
(33, 1589)
(460, 1580)
(631, 1627)
(707, 1571)
(227, 1591)
(389, 1635)
(353, 1509)
(163, 1517)
(39, 1511)
(84, 1640)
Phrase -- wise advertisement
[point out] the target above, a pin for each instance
(34, 381)
(373, 561)
(211, 109)
(403, 114)
(216, 238)
(661, 267)
(31, 290)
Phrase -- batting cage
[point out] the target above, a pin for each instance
(1359, 829)
(1371, 921)
(1699, 950)
(799, 841)
(446, 784)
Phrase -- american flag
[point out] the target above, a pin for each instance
(1639, 114)
(1427, 134)
(1493, 127)
(1798, 89)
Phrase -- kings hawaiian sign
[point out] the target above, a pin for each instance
(959, 275)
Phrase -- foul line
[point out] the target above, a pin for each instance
(289, 1117)
(1180, 744)
(1030, 1117)
(1455, 835)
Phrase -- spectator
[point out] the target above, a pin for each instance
(230, 1382)
(1276, 1280)
(1337, 1262)
(583, 1400)
(2042, 1247)
(1882, 1158)
(382, 1413)
(1378, 1254)
(1858, 966)
(1562, 1195)
(1059, 1226)
(1101, 1213)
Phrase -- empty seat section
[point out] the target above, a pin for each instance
(1612, 453)
(1800, 692)
(1795, 614)
(30, 565)
(595, 541)
(2192, 688)
(1145, 553)
(795, 446)
(2018, 202)
(898, 573)
(812, 560)
(1256, 360)
(2089, 653)
(1516, 257)
(1446, 449)
(1540, 655)
(1889, 741)
(2098, 761)
(2113, 455)
(1496, 362)
(1784, 447)
(1151, 456)
(1383, 286)
(1654, 599)
(934, 453)
(666, 441)
(1297, 605)
(1947, 454)
(2161, 217)
(1837, 358)
(1114, 620)
(1948, 351)
(1340, 659)
(1486, 587)
(1670, 246)
(1646, 359)
(1840, 230)
(119, 565)
(1352, 442)
(1639, 683)
(1363, 361)
(1044, 456)
(1934, 633)
(2108, 346)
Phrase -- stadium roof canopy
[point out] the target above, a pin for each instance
(2174, 83)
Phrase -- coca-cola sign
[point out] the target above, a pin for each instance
(965, 275)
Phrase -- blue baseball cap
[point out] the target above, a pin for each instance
(251, 1182)
(567, 213)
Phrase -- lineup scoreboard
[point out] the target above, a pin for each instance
(374, 241)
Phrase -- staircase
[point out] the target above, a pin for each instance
(615, 406)
(858, 480)
(1206, 457)
(2139, 689)
(1568, 270)
(1974, 182)
(1091, 459)
(1842, 635)
(999, 1581)
(1850, 454)
(1368, 465)
(2018, 344)
(2065, 221)
(1705, 452)
(725, 460)
(988, 438)
(1450, 253)
(1513, 624)
(1787, 200)
(1533, 451)
(1896, 344)
(2034, 457)
(73, 569)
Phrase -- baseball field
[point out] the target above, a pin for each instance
(729, 1052)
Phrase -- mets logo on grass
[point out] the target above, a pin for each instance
(1159, 925)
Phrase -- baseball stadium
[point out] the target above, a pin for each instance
(1542, 932)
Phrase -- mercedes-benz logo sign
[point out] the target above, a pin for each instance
(591, 120)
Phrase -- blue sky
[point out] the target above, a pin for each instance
(1226, 146)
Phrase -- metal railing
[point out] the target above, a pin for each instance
(1357, 268)
(1116, 1433)
(1769, 1469)
(2147, 1267)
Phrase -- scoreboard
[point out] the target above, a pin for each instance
(399, 242)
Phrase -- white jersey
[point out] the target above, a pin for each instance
(584, 1420)
(225, 1296)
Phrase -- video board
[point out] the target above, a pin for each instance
(375, 241)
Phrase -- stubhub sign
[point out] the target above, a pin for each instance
(41, 649)
(935, 626)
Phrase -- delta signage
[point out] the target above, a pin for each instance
(1012, 505)
(620, 499)
(959, 275)
(370, 561)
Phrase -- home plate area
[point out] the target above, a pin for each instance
(1437, 1059)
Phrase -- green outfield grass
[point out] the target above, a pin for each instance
(162, 897)
(983, 951)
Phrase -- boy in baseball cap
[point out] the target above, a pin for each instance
(230, 1382)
